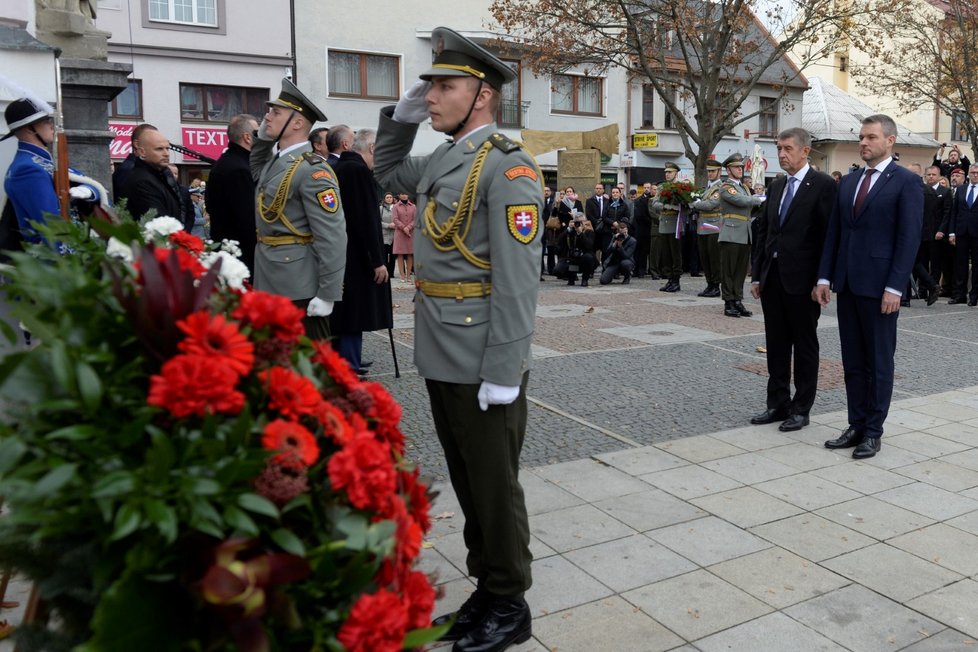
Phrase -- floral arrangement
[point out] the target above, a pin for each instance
(676, 193)
(185, 470)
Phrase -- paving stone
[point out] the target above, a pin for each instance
(638, 461)
(805, 457)
(928, 500)
(591, 480)
(894, 457)
(662, 334)
(631, 562)
(454, 593)
(892, 572)
(953, 605)
(941, 474)
(771, 633)
(959, 432)
(543, 496)
(746, 506)
(754, 438)
(750, 468)
(966, 522)
(607, 624)
(913, 420)
(874, 517)
(649, 510)
(807, 491)
(690, 482)
(434, 564)
(953, 410)
(949, 640)
(812, 536)
(943, 545)
(573, 310)
(859, 619)
(968, 459)
(778, 577)
(446, 514)
(862, 477)
(696, 604)
(926, 444)
(700, 449)
(576, 527)
(708, 540)
(559, 584)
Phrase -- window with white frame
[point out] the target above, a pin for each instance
(362, 74)
(577, 94)
(185, 12)
(768, 117)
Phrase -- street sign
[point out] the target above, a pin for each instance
(645, 141)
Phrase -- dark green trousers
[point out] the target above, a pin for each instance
(672, 261)
(483, 454)
(317, 328)
(709, 250)
(655, 254)
(734, 259)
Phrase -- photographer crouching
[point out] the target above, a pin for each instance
(619, 257)
(575, 251)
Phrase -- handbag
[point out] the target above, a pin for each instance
(553, 223)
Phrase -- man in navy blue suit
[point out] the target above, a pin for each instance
(963, 234)
(870, 246)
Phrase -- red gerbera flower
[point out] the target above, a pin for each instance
(215, 337)
(365, 470)
(263, 310)
(335, 425)
(291, 394)
(187, 241)
(289, 437)
(336, 365)
(188, 262)
(193, 384)
(377, 623)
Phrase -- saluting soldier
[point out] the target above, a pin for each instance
(708, 229)
(301, 251)
(477, 260)
(671, 258)
(736, 203)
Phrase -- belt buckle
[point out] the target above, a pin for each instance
(459, 295)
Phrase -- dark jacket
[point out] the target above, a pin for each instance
(365, 306)
(642, 218)
(120, 177)
(616, 255)
(964, 220)
(571, 244)
(154, 188)
(596, 213)
(946, 167)
(620, 213)
(230, 199)
(564, 211)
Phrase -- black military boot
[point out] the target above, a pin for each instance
(506, 623)
(665, 288)
(468, 616)
(712, 290)
(744, 312)
(673, 285)
(730, 309)
(626, 279)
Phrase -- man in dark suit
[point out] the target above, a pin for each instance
(963, 235)
(619, 257)
(945, 251)
(790, 234)
(230, 192)
(596, 210)
(870, 246)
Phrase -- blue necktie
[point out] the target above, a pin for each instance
(789, 194)
(971, 196)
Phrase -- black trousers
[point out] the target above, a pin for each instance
(585, 265)
(317, 328)
(624, 267)
(642, 251)
(966, 252)
(945, 258)
(791, 330)
(483, 454)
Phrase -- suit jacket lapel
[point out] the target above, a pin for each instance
(774, 200)
(801, 192)
(885, 176)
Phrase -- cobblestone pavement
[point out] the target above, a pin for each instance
(620, 366)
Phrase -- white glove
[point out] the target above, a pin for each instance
(82, 192)
(493, 394)
(412, 108)
(263, 131)
(319, 308)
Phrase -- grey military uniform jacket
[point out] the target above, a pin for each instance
(485, 337)
(312, 207)
(668, 214)
(710, 217)
(736, 204)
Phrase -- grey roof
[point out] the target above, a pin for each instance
(18, 38)
(831, 114)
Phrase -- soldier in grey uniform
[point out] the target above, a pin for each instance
(477, 257)
(736, 203)
(301, 251)
(708, 229)
(672, 264)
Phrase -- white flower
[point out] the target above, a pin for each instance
(161, 227)
(117, 249)
(233, 272)
(231, 246)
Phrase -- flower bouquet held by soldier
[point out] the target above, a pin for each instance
(477, 258)
(670, 204)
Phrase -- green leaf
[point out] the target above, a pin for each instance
(127, 519)
(61, 366)
(115, 483)
(204, 487)
(54, 480)
(354, 526)
(258, 505)
(160, 458)
(79, 432)
(289, 542)
(417, 638)
(89, 385)
(163, 517)
(11, 450)
(240, 521)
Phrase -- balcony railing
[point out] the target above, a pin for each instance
(512, 114)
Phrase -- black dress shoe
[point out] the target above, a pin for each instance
(769, 416)
(673, 285)
(794, 422)
(744, 312)
(366, 364)
(869, 447)
(730, 310)
(506, 623)
(712, 291)
(952, 302)
(932, 296)
(468, 616)
(583, 282)
(850, 437)
(570, 282)
(626, 280)
(972, 302)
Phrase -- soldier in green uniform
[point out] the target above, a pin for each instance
(708, 229)
(672, 263)
(301, 250)
(477, 258)
(736, 202)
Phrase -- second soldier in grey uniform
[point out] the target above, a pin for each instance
(736, 203)
(708, 229)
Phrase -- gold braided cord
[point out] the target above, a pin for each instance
(446, 237)
(274, 211)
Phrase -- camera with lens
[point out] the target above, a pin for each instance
(620, 236)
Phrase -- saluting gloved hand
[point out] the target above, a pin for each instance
(263, 131)
(493, 394)
(82, 192)
(412, 107)
(319, 308)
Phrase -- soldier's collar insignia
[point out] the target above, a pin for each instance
(523, 221)
(328, 200)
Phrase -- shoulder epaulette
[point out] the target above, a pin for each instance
(312, 158)
(502, 142)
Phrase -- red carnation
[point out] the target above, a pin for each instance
(187, 241)
(335, 425)
(215, 337)
(386, 412)
(292, 395)
(187, 261)
(193, 384)
(417, 496)
(336, 366)
(419, 596)
(364, 468)
(263, 310)
(289, 437)
(377, 623)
